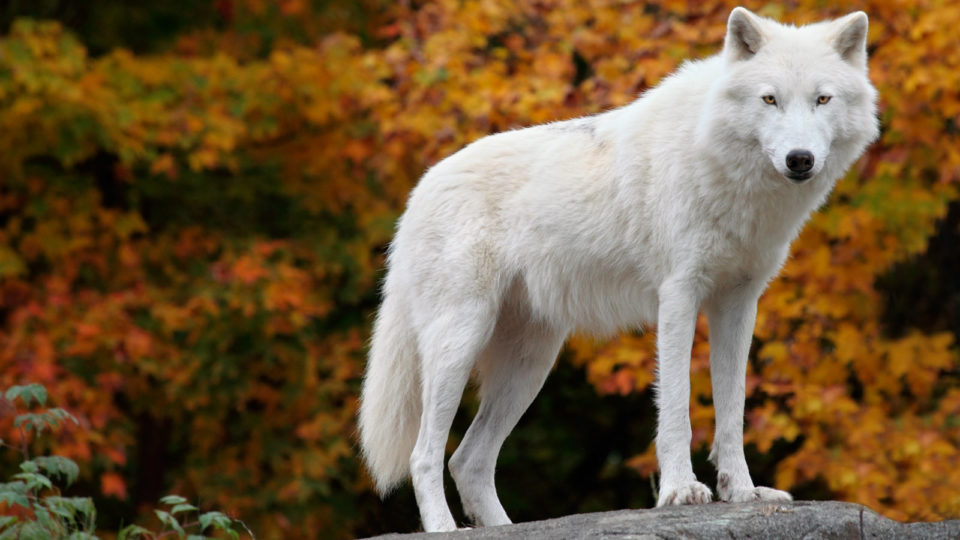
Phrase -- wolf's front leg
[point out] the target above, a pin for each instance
(732, 317)
(677, 318)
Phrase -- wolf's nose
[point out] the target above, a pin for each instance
(800, 161)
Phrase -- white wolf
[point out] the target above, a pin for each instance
(686, 199)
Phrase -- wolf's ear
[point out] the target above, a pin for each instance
(744, 37)
(850, 38)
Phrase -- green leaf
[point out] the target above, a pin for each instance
(40, 421)
(44, 518)
(81, 535)
(65, 513)
(130, 532)
(170, 521)
(58, 466)
(207, 518)
(217, 520)
(173, 499)
(35, 481)
(6, 521)
(183, 508)
(28, 393)
(14, 487)
(75, 507)
(12, 498)
(32, 530)
(13, 533)
(29, 421)
(60, 414)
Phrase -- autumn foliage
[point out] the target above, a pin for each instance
(190, 243)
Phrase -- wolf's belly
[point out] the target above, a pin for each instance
(589, 298)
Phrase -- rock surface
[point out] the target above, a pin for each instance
(799, 519)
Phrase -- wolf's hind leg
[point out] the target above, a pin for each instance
(449, 348)
(512, 371)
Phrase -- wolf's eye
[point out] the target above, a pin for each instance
(823, 100)
(770, 100)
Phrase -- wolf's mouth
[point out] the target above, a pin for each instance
(799, 177)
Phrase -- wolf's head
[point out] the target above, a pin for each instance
(800, 95)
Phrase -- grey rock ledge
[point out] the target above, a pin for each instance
(758, 520)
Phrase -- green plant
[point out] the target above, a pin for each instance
(176, 522)
(32, 506)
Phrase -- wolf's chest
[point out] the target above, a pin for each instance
(743, 244)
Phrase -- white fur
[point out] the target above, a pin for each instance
(645, 214)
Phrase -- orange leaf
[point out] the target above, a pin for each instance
(112, 483)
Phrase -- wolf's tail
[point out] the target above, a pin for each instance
(390, 406)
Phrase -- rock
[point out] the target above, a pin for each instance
(760, 520)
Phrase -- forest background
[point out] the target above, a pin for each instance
(196, 197)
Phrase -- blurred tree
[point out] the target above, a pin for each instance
(923, 291)
(103, 25)
(244, 28)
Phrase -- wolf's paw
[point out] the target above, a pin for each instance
(755, 494)
(689, 493)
